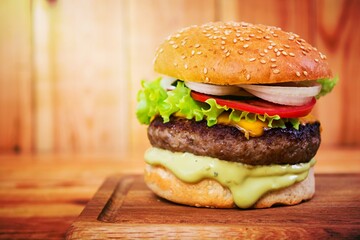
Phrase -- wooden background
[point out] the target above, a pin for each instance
(70, 70)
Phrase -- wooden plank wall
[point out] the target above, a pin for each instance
(70, 70)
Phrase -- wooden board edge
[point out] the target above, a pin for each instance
(93, 209)
(213, 231)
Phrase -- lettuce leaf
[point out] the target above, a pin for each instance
(153, 100)
(327, 85)
(149, 98)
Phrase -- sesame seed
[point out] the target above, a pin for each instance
(240, 52)
(238, 34)
(276, 71)
(305, 73)
(223, 38)
(199, 53)
(316, 60)
(262, 61)
(273, 66)
(276, 50)
(235, 40)
(303, 52)
(186, 66)
(227, 32)
(267, 37)
(205, 70)
(273, 59)
(278, 54)
(262, 54)
(252, 59)
(248, 76)
(273, 44)
(175, 46)
(270, 47)
(175, 64)
(275, 35)
(298, 74)
(197, 45)
(222, 47)
(265, 50)
(193, 52)
(292, 37)
(241, 39)
(292, 54)
(284, 53)
(252, 35)
(287, 46)
(222, 42)
(227, 54)
(183, 56)
(207, 79)
(161, 50)
(245, 45)
(247, 39)
(171, 42)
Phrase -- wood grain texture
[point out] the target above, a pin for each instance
(16, 108)
(91, 89)
(118, 205)
(335, 24)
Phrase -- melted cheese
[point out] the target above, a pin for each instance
(253, 129)
(247, 183)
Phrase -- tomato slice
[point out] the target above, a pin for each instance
(259, 106)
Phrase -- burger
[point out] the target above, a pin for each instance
(229, 120)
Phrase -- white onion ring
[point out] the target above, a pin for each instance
(217, 90)
(166, 83)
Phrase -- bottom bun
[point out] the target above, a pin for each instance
(210, 193)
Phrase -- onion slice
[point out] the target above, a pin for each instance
(166, 83)
(217, 90)
(290, 91)
(286, 95)
(282, 99)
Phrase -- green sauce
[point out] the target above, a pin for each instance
(247, 183)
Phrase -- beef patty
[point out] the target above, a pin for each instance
(275, 146)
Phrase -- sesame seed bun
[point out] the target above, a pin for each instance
(209, 193)
(239, 53)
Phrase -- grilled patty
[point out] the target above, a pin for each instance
(275, 146)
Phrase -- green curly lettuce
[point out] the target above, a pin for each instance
(153, 100)
(327, 85)
(149, 98)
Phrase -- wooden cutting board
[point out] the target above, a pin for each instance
(124, 208)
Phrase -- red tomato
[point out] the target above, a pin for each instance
(259, 106)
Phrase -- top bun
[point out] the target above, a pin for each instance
(239, 53)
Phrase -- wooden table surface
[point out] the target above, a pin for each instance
(40, 196)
